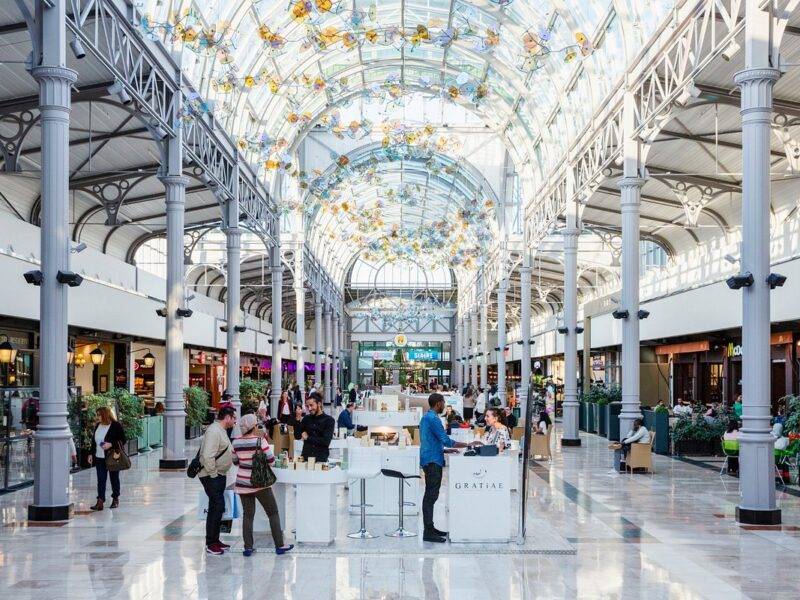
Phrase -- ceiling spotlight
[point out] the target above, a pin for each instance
(620, 314)
(70, 278)
(739, 281)
(643, 314)
(158, 131)
(730, 50)
(731, 259)
(77, 48)
(79, 248)
(775, 280)
(689, 91)
(33, 277)
(118, 89)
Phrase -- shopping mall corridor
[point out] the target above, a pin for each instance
(593, 534)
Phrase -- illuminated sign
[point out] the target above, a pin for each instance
(424, 354)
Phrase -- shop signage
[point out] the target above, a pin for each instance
(734, 350)
(381, 354)
(423, 354)
(400, 340)
(480, 481)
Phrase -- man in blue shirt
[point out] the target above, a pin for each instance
(431, 458)
(345, 420)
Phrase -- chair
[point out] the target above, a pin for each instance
(730, 449)
(364, 464)
(517, 433)
(540, 445)
(401, 479)
(640, 456)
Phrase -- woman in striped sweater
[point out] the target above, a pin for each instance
(244, 447)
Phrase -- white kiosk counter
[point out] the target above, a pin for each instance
(386, 418)
(479, 486)
(315, 502)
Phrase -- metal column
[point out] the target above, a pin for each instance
(502, 288)
(327, 356)
(335, 379)
(318, 347)
(473, 348)
(51, 468)
(233, 240)
(300, 309)
(570, 418)
(277, 318)
(484, 343)
(756, 460)
(587, 353)
(174, 416)
(525, 331)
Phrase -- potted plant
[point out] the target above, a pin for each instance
(82, 414)
(698, 436)
(657, 421)
(196, 400)
(129, 409)
(251, 392)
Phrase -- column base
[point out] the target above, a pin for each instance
(750, 516)
(49, 513)
(175, 463)
(570, 443)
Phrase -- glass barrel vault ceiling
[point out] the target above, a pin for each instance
(532, 71)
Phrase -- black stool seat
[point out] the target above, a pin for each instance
(397, 474)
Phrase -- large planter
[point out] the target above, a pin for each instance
(658, 423)
(602, 420)
(582, 416)
(591, 417)
(155, 431)
(612, 411)
(698, 448)
(144, 438)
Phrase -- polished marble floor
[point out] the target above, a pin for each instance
(593, 534)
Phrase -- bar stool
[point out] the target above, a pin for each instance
(400, 532)
(364, 464)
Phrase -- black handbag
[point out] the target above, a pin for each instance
(195, 465)
(117, 460)
(261, 474)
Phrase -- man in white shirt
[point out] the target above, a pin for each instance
(682, 410)
(637, 435)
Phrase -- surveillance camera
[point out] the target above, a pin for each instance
(239, 328)
(731, 259)
(162, 312)
(620, 314)
(579, 329)
(739, 281)
(79, 248)
(562, 330)
(70, 278)
(34, 277)
(775, 280)
(185, 312)
(643, 314)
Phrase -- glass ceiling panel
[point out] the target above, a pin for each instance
(294, 63)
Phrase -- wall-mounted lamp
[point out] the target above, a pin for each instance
(97, 356)
(8, 353)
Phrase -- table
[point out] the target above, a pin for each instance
(479, 498)
(315, 502)
(383, 492)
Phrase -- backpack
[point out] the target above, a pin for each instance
(261, 474)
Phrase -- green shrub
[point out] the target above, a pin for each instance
(660, 408)
(129, 409)
(698, 429)
(196, 400)
(603, 395)
(792, 424)
(251, 392)
(83, 414)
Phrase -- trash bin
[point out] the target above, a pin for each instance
(614, 409)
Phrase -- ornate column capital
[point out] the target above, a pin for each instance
(630, 182)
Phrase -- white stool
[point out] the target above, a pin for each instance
(364, 463)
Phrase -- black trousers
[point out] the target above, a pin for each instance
(433, 481)
(215, 490)
(102, 476)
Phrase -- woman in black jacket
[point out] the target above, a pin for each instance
(108, 434)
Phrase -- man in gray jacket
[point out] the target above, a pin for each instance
(216, 456)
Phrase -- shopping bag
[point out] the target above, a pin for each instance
(233, 506)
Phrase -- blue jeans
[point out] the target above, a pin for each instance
(102, 476)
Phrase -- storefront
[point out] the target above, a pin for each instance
(17, 358)
(207, 371)
(422, 363)
(99, 365)
(707, 371)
